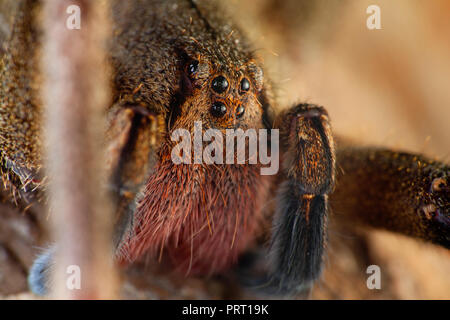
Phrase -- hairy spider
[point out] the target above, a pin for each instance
(176, 62)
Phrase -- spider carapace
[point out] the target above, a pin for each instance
(177, 63)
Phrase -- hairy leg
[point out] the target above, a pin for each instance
(131, 139)
(400, 192)
(300, 220)
(133, 136)
(39, 277)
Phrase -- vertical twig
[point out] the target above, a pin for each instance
(76, 96)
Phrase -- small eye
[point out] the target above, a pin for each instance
(218, 109)
(220, 84)
(192, 67)
(438, 184)
(245, 85)
(240, 111)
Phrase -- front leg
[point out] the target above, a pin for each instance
(300, 221)
(131, 139)
(396, 191)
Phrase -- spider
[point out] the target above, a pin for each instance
(176, 62)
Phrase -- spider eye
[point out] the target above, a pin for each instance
(192, 67)
(240, 111)
(438, 184)
(245, 85)
(220, 84)
(218, 109)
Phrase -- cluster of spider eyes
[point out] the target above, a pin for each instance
(220, 85)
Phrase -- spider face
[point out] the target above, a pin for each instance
(221, 96)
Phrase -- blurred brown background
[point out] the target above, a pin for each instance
(382, 87)
(387, 87)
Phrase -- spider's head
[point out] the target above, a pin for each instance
(220, 95)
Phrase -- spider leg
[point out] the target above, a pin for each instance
(299, 226)
(39, 276)
(130, 139)
(300, 219)
(133, 136)
(396, 191)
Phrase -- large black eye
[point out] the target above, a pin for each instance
(192, 67)
(245, 85)
(218, 109)
(220, 84)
